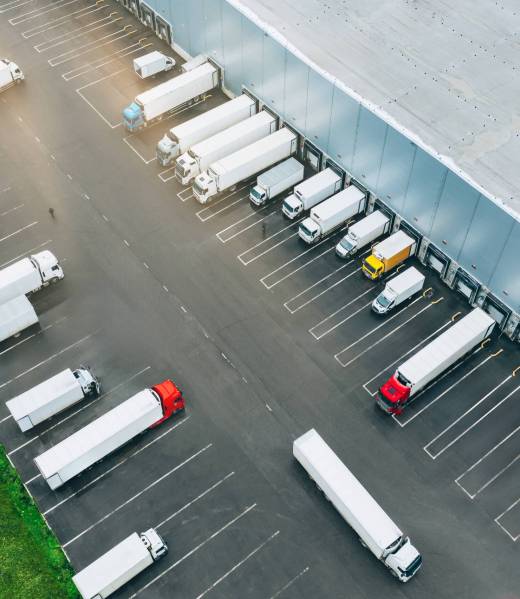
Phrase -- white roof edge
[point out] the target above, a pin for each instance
(374, 108)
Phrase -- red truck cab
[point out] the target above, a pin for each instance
(171, 398)
(393, 396)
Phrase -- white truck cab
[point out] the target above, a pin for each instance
(48, 266)
(154, 543)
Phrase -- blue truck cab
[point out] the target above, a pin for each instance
(133, 117)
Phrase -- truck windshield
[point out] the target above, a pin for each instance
(288, 206)
(383, 301)
(386, 400)
(402, 379)
(181, 169)
(198, 189)
(413, 567)
(306, 231)
(369, 267)
(256, 194)
(346, 244)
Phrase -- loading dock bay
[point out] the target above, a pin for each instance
(231, 529)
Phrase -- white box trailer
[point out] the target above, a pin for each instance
(360, 234)
(120, 564)
(10, 73)
(152, 63)
(248, 161)
(358, 508)
(276, 180)
(432, 360)
(398, 289)
(181, 138)
(16, 315)
(200, 156)
(107, 433)
(52, 396)
(165, 97)
(332, 214)
(29, 275)
(311, 192)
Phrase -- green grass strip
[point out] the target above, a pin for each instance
(32, 564)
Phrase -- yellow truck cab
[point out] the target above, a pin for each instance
(388, 254)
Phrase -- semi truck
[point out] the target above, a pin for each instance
(155, 103)
(376, 530)
(311, 192)
(181, 138)
(332, 214)
(52, 396)
(360, 234)
(152, 63)
(10, 74)
(16, 315)
(29, 275)
(245, 163)
(144, 410)
(397, 290)
(388, 254)
(431, 361)
(276, 180)
(120, 564)
(200, 156)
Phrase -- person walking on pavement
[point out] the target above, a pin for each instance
(263, 230)
(51, 212)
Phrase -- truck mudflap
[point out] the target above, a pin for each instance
(171, 399)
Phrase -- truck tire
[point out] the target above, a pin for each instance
(362, 542)
(54, 280)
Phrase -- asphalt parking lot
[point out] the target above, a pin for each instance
(266, 336)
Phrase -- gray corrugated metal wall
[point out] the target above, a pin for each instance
(466, 226)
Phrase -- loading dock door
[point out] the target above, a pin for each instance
(466, 285)
(496, 310)
(412, 233)
(312, 156)
(134, 5)
(436, 260)
(339, 171)
(147, 16)
(163, 30)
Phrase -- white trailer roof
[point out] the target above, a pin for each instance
(443, 73)
(281, 171)
(261, 146)
(393, 244)
(374, 219)
(476, 323)
(112, 565)
(42, 394)
(317, 181)
(174, 83)
(208, 146)
(150, 58)
(349, 490)
(405, 280)
(15, 272)
(214, 114)
(15, 308)
(97, 431)
(347, 197)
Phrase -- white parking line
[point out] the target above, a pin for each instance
(480, 460)
(125, 139)
(238, 564)
(213, 214)
(446, 391)
(508, 533)
(97, 64)
(288, 584)
(354, 343)
(128, 501)
(195, 499)
(224, 239)
(13, 5)
(270, 248)
(19, 231)
(422, 342)
(434, 456)
(172, 176)
(64, 57)
(213, 204)
(185, 194)
(40, 11)
(88, 405)
(5, 190)
(58, 22)
(115, 466)
(6, 212)
(21, 374)
(29, 337)
(79, 90)
(344, 320)
(194, 550)
(74, 34)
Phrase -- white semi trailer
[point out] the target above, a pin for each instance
(16, 315)
(200, 156)
(10, 74)
(181, 138)
(29, 275)
(311, 192)
(276, 180)
(112, 430)
(120, 564)
(332, 214)
(360, 234)
(432, 360)
(245, 163)
(376, 530)
(52, 396)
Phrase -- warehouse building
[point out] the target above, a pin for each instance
(417, 102)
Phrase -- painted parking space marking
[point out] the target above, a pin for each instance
(169, 174)
(234, 230)
(26, 253)
(322, 328)
(145, 160)
(512, 512)
(185, 194)
(64, 19)
(289, 228)
(13, 209)
(29, 226)
(290, 582)
(80, 89)
(205, 213)
(38, 12)
(212, 213)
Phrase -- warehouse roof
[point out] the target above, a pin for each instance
(447, 74)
